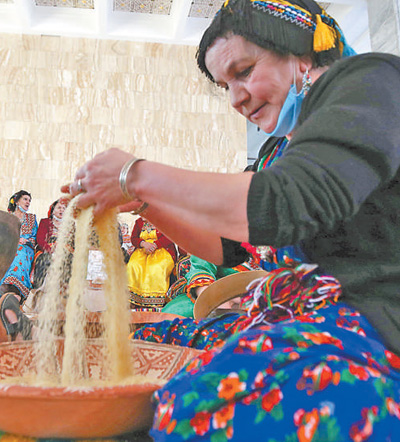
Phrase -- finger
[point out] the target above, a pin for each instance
(77, 187)
(70, 188)
(80, 173)
(98, 209)
(65, 188)
(85, 200)
(128, 207)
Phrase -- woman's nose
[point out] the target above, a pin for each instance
(238, 96)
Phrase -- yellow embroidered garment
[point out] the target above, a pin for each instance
(148, 274)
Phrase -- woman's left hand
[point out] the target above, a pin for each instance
(98, 182)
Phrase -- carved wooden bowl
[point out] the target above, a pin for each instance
(84, 412)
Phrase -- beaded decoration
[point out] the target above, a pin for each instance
(288, 12)
(325, 29)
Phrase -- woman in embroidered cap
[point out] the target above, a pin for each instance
(305, 364)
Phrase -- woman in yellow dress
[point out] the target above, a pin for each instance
(150, 266)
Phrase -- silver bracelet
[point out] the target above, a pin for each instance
(123, 176)
(140, 209)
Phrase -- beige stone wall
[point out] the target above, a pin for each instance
(63, 100)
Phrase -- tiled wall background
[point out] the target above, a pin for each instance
(63, 100)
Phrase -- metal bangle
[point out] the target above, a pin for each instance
(140, 209)
(123, 176)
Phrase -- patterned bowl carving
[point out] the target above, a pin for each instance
(87, 412)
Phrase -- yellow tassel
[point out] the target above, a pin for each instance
(324, 36)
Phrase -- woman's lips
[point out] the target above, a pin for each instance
(256, 113)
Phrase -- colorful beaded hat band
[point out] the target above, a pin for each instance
(325, 29)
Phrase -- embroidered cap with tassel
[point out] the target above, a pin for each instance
(325, 37)
(298, 27)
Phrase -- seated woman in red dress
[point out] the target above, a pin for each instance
(150, 266)
(46, 239)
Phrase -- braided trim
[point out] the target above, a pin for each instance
(288, 13)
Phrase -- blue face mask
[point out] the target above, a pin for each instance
(290, 111)
(21, 209)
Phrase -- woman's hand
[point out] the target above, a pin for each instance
(23, 241)
(148, 247)
(98, 182)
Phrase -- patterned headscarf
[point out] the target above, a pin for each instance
(299, 27)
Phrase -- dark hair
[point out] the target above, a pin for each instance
(62, 200)
(288, 32)
(51, 209)
(12, 203)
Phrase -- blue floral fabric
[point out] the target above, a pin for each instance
(322, 376)
(18, 273)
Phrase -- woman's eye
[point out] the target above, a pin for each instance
(245, 72)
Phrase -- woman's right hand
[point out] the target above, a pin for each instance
(99, 182)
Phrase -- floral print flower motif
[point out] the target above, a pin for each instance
(327, 409)
(223, 416)
(323, 338)
(261, 344)
(353, 326)
(164, 412)
(346, 311)
(307, 318)
(320, 376)
(393, 359)
(272, 398)
(147, 332)
(363, 429)
(248, 400)
(308, 423)
(374, 365)
(358, 371)
(200, 361)
(230, 386)
(201, 422)
(393, 407)
(259, 380)
(293, 355)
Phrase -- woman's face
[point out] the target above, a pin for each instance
(59, 210)
(24, 202)
(124, 229)
(258, 80)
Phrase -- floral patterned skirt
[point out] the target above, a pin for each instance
(323, 376)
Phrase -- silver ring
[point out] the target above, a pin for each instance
(80, 187)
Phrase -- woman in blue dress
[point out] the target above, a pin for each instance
(17, 277)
